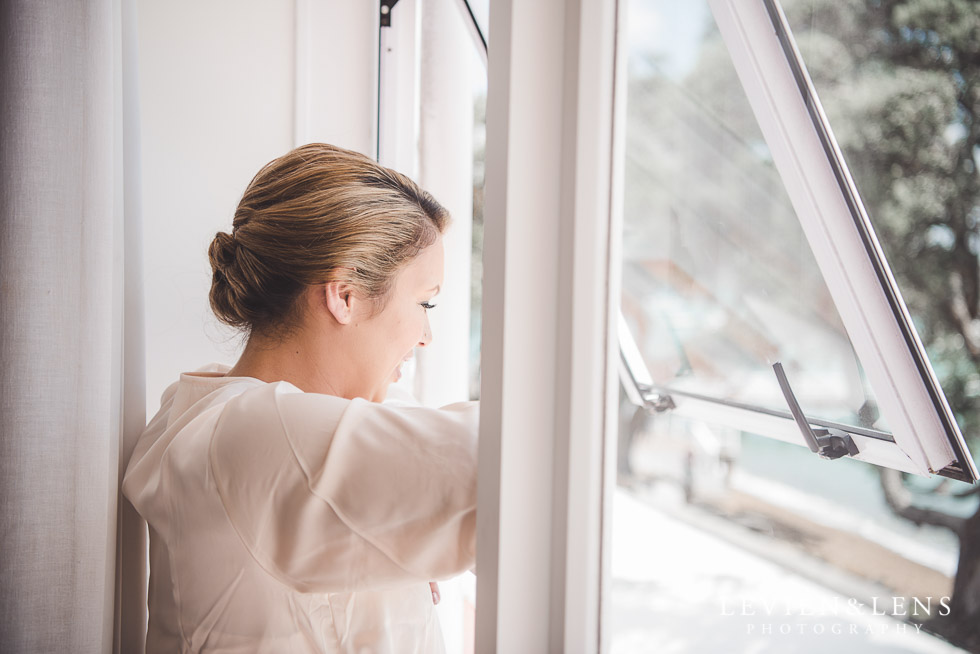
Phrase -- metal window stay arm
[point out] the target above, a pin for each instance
(827, 443)
(635, 376)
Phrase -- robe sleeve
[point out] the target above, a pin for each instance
(332, 495)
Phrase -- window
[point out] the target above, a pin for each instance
(551, 291)
(746, 243)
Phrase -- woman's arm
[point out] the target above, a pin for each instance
(336, 495)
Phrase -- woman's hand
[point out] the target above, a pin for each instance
(434, 587)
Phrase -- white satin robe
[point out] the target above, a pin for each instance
(291, 522)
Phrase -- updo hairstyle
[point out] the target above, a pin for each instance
(317, 214)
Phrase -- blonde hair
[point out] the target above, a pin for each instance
(317, 214)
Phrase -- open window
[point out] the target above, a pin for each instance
(753, 282)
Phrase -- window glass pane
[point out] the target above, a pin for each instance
(718, 279)
(900, 83)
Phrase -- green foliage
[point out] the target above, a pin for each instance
(900, 81)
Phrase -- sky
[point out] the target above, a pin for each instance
(669, 30)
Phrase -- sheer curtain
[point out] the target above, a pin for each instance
(71, 355)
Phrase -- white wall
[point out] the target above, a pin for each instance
(218, 95)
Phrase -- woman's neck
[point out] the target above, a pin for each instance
(311, 366)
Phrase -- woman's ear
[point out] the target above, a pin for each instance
(338, 300)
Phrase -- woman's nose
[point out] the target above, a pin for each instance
(426, 333)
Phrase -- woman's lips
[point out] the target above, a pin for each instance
(398, 369)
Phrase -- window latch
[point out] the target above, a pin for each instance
(385, 8)
(826, 443)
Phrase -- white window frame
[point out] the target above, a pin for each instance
(399, 86)
(925, 438)
(549, 346)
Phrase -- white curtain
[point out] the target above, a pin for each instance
(71, 355)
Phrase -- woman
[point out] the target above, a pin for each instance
(289, 510)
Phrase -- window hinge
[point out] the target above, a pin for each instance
(386, 7)
(655, 402)
(826, 443)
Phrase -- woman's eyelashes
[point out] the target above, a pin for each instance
(428, 305)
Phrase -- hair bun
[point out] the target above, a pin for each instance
(226, 288)
(222, 251)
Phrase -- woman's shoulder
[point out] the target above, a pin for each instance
(244, 401)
